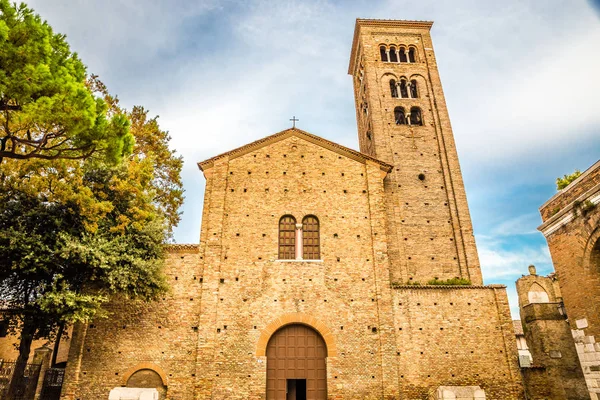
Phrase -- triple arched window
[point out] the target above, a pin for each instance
(398, 54)
(299, 241)
(414, 117)
(404, 88)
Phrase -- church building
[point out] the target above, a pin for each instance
(323, 272)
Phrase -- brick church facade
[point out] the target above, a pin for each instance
(318, 269)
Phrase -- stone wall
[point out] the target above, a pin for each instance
(442, 340)
(556, 372)
(161, 336)
(572, 234)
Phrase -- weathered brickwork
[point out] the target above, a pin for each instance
(442, 336)
(556, 372)
(209, 337)
(161, 336)
(571, 225)
(428, 220)
(573, 236)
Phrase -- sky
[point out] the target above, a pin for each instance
(521, 80)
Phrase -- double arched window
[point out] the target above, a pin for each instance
(413, 118)
(398, 54)
(299, 241)
(404, 89)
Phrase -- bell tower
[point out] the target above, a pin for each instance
(403, 120)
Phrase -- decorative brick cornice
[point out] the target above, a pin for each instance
(568, 212)
(448, 287)
(337, 148)
(390, 23)
(176, 247)
(572, 185)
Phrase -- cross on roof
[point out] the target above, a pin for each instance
(294, 119)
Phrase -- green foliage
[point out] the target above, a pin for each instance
(46, 109)
(450, 282)
(584, 207)
(563, 182)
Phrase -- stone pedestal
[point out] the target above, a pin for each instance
(125, 393)
(459, 393)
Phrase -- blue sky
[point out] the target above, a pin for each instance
(521, 80)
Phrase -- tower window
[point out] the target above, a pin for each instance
(403, 55)
(287, 238)
(393, 88)
(403, 89)
(413, 89)
(399, 116)
(393, 54)
(310, 238)
(411, 55)
(415, 116)
(383, 53)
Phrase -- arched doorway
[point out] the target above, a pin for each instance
(296, 367)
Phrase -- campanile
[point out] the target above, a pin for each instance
(403, 120)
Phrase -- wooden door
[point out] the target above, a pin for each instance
(296, 352)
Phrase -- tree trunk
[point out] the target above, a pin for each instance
(61, 328)
(17, 383)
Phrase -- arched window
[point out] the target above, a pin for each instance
(402, 55)
(393, 54)
(287, 238)
(393, 88)
(411, 55)
(310, 238)
(537, 294)
(382, 51)
(403, 89)
(413, 89)
(399, 116)
(415, 116)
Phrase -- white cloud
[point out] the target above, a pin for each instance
(524, 224)
(500, 263)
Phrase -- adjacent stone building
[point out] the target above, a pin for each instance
(571, 225)
(319, 270)
(555, 372)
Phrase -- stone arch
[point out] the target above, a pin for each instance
(296, 318)
(591, 253)
(143, 366)
(537, 294)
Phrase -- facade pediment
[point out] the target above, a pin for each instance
(270, 140)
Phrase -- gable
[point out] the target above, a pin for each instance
(294, 132)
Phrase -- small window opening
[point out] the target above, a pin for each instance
(393, 88)
(383, 53)
(413, 89)
(403, 89)
(412, 55)
(399, 116)
(393, 55)
(416, 117)
(403, 55)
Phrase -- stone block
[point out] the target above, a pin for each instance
(581, 323)
(460, 393)
(589, 340)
